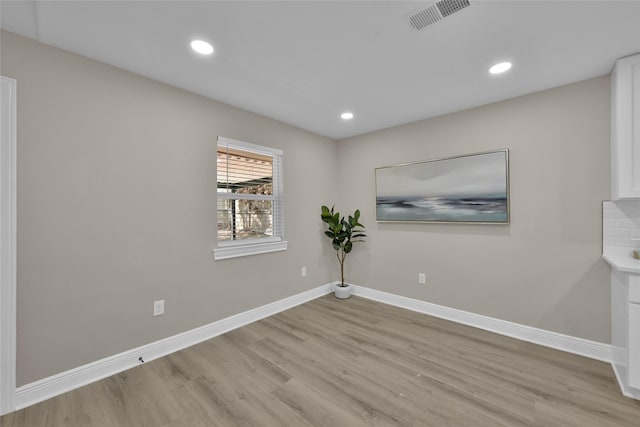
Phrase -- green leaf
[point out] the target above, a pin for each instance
(348, 246)
(342, 232)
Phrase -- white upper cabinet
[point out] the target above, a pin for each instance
(625, 128)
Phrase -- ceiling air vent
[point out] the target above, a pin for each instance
(436, 12)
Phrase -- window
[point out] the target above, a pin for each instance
(250, 199)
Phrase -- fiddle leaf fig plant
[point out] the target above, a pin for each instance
(343, 234)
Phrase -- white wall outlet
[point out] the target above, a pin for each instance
(303, 271)
(158, 307)
(422, 278)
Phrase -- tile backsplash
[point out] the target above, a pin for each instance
(621, 224)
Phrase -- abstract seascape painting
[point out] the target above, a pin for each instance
(465, 189)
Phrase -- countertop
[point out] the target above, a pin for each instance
(621, 259)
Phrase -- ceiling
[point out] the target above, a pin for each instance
(305, 62)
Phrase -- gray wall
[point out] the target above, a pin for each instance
(543, 270)
(117, 208)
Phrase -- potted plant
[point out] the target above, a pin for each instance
(343, 234)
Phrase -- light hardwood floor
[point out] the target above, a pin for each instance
(349, 363)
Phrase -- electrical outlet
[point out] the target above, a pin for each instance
(422, 278)
(158, 307)
(303, 271)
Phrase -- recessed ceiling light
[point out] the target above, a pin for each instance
(202, 47)
(346, 115)
(500, 68)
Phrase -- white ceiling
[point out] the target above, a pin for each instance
(305, 62)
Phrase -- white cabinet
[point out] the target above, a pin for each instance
(625, 333)
(625, 128)
(634, 345)
(625, 184)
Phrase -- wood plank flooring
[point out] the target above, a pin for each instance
(349, 363)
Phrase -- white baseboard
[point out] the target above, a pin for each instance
(63, 382)
(580, 346)
(620, 372)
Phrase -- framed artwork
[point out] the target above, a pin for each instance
(472, 188)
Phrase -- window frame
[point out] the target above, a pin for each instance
(237, 248)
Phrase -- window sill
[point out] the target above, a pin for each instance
(249, 249)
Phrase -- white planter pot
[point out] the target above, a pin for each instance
(342, 292)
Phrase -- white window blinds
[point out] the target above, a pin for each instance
(250, 193)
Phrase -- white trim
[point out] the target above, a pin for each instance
(63, 382)
(7, 245)
(226, 252)
(260, 149)
(245, 242)
(575, 345)
(624, 386)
